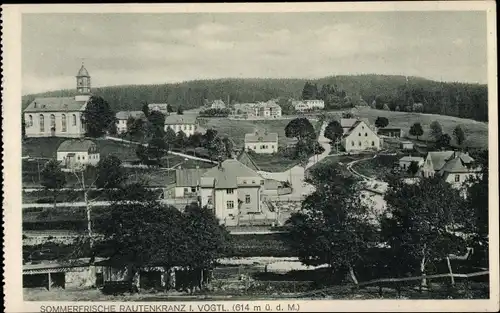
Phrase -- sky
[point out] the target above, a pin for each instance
(143, 48)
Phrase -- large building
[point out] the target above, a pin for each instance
(360, 137)
(59, 116)
(306, 105)
(123, 116)
(348, 123)
(261, 142)
(75, 153)
(266, 110)
(186, 123)
(230, 189)
(455, 167)
(218, 104)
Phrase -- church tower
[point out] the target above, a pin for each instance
(82, 84)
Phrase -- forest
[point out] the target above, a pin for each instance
(393, 92)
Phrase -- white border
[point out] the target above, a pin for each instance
(11, 24)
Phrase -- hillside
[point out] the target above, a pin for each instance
(454, 99)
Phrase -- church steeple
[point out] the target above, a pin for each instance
(83, 81)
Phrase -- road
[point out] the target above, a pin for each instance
(296, 174)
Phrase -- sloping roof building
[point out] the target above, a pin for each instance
(262, 142)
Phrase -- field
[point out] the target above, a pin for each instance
(476, 132)
(236, 129)
(378, 167)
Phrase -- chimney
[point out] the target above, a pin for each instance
(219, 165)
(34, 104)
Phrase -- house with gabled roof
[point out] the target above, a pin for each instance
(230, 189)
(74, 153)
(122, 118)
(187, 123)
(261, 142)
(360, 137)
(455, 167)
(59, 116)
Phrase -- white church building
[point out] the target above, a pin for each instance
(59, 116)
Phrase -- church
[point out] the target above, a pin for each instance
(59, 116)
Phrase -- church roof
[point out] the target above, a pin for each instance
(83, 72)
(55, 104)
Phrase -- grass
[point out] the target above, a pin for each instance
(273, 162)
(378, 167)
(476, 132)
(236, 129)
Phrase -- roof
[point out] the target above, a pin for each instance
(173, 119)
(83, 72)
(388, 129)
(406, 142)
(455, 165)
(159, 106)
(261, 137)
(439, 158)
(76, 145)
(411, 159)
(228, 174)
(55, 104)
(188, 177)
(124, 115)
(348, 122)
(245, 159)
(218, 102)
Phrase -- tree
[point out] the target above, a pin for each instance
(416, 130)
(53, 178)
(413, 168)
(418, 107)
(181, 140)
(23, 127)
(135, 127)
(459, 135)
(195, 140)
(142, 154)
(157, 123)
(334, 131)
(179, 110)
(170, 136)
(381, 122)
(333, 225)
(310, 91)
(419, 229)
(300, 128)
(145, 109)
(170, 109)
(217, 149)
(98, 117)
(348, 114)
(228, 146)
(157, 148)
(443, 141)
(436, 130)
(208, 137)
(110, 174)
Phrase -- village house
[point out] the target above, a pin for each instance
(78, 152)
(305, 105)
(392, 132)
(59, 116)
(348, 123)
(122, 118)
(218, 104)
(161, 107)
(406, 145)
(360, 137)
(404, 162)
(455, 167)
(230, 189)
(269, 109)
(187, 182)
(262, 142)
(185, 123)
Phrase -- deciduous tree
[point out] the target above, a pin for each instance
(381, 122)
(110, 174)
(98, 117)
(436, 130)
(459, 135)
(416, 130)
(334, 131)
(443, 141)
(53, 178)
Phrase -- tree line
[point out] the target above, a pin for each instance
(454, 99)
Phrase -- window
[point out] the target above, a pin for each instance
(254, 147)
(186, 190)
(74, 119)
(373, 143)
(253, 181)
(78, 157)
(52, 120)
(359, 143)
(63, 122)
(457, 178)
(262, 182)
(230, 204)
(353, 143)
(366, 134)
(190, 127)
(229, 191)
(209, 200)
(359, 134)
(30, 120)
(272, 146)
(193, 189)
(83, 157)
(247, 199)
(362, 127)
(42, 123)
